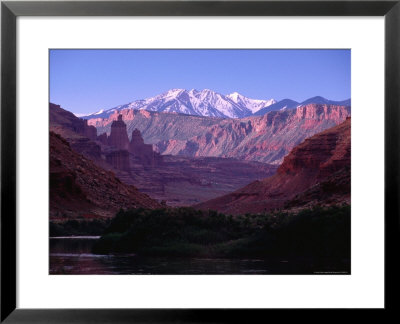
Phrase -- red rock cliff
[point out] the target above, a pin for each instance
(266, 138)
(317, 170)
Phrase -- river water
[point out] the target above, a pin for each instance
(72, 255)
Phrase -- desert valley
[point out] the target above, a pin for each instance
(248, 164)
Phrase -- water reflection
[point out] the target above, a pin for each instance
(73, 256)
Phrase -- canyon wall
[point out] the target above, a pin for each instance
(315, 172)
(266, 138)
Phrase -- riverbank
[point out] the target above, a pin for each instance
(186, 232)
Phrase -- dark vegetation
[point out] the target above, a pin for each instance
(317, 232)
(79, 227)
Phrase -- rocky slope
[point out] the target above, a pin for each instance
(317, 171)
(266, 138)
(80, 188)
(68, 125)
(76, 131)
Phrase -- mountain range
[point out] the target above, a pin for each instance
(267, 138)
(211, 104)
(291, 104)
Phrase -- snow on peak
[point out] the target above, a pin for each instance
(193, 91)
(253, 105)
(101, 111)
(234, 96)
(79, 114)
(205, 102)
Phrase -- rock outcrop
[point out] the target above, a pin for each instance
(317, 171)
(143, 152)
(80, 188)
(118, 136)
(268, 138)
(134, 149)
(115, 149)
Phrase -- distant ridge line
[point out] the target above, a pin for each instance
(209, 103)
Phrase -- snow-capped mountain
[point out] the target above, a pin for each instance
(212, 104)
(194, 102)
(253, 105)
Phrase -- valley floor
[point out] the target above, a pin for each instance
(185, 181)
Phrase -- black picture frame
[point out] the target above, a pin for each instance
(10, 10)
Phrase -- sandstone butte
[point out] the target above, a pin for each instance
(116, 148)
(79, 187)
(317, 171)
(118, 139)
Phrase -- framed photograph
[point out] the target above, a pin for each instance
(180, 160)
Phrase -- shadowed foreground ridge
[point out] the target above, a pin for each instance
(316, 171)
(80, 188)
